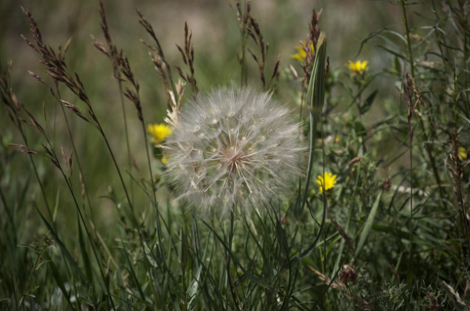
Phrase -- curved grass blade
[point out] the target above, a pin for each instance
(368, 226)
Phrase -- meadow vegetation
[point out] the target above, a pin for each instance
(230, 155)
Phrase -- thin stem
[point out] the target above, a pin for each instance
(36, 174)
(134, 219)
(148, 162)
(127, 134)
(29, 279)
(75, 151)
(359, 114)
(118, 170)
(69, 185)
(408, 44)
(464, 22)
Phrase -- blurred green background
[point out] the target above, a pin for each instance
(216, 38)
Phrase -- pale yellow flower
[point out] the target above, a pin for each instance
(164, 159)
(301, 53)
(358, 67)
(462, 153)
(328, 181)
(159, 132)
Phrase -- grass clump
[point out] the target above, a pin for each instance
(315, 184)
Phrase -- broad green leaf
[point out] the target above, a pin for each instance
(315, 100)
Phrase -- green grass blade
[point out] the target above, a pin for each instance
(62, 247)
(57, 276)
(256, 280)
(315, 100)
(368, 226)
(86, 259)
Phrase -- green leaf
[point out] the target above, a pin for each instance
(368, 226)
(392, 52)
(56, 207)
(368, 102)
(403, 235)
(194, 286)
(315, 100)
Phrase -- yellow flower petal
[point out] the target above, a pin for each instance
(301, 53)
(462, 153)
(327, 181)
(358, 67)
(159, 132)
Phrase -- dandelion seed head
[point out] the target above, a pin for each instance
(232, 148)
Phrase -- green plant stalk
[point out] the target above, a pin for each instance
(358, 104)
(408, 43)
(338, 260)
(465, 51)
(428, 146)
(8, 97)
(36, 264)
(243, 31)
(432, 160)
(23, 135)
(315, 98)
(119, 172)
(459, 197)
(83, 222)
(325, 200)
(235, 298)
(75, 151)
(410, 133)
(126, 133)
(358, 100)
(148, 158)
(368, 225)
(410, 55)
(134, 219)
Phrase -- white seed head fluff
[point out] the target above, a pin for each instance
(232, 147)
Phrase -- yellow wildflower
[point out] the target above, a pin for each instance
(164, 159)
(332, 139)
(358, 67)
(159, 132)
(462, 153)
(301, 53)
(328, 181)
